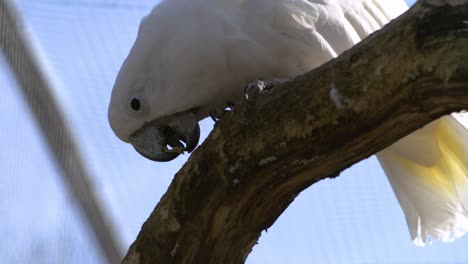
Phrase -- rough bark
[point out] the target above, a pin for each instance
(260, 156)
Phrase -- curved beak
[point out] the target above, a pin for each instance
(165, 139)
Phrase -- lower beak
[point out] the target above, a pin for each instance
(166, 139)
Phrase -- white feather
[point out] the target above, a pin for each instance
(209, 49)
(196, 54)
(428, 173)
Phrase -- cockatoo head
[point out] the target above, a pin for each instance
(131, 116)
(140, 115)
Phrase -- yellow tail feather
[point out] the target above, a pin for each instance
(428, 172)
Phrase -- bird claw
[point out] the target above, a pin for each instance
(217, 114)
(230, 104)
(215, 117)
(254, 88)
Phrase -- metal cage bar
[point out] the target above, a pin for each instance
(39, 95)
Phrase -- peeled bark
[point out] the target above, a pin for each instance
(260, 156)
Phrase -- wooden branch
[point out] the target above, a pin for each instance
(263, 154)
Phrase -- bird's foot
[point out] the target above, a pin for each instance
(217, 114)
(230, 105)
(254, 88)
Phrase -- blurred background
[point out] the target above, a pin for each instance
(81, 44)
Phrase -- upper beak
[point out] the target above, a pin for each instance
(165, 139)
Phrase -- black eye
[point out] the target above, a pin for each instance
(135, 104)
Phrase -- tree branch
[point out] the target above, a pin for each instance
(263, 154)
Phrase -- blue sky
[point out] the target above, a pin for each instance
(352, 219)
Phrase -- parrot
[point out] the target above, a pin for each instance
(192, 57)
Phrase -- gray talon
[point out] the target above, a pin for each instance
(215, 117)
(217, 114)
(230, 104)
(254, 88)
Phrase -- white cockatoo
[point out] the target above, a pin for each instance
(192, 56)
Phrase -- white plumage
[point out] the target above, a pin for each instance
(191, 56)
(428, 173)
